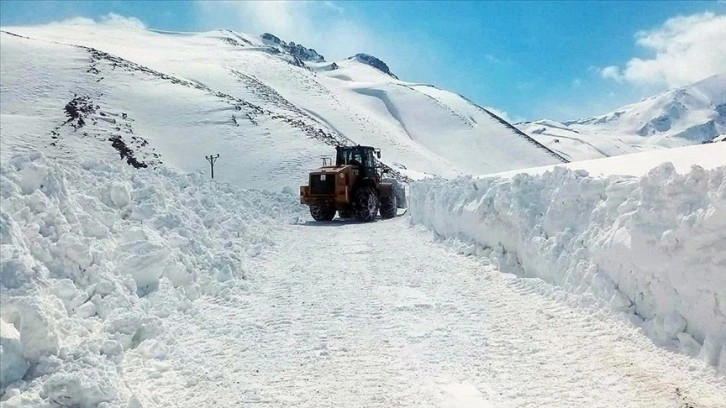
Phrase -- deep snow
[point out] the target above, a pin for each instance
(406, 322)
(650, 246)
(157, 286)
(96, 256)
(418, 326)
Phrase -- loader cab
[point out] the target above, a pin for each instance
(364, 157)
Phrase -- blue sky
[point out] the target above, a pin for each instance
(560, 60)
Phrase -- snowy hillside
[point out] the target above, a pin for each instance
(258, 101)
(129, 278)
(690, 115)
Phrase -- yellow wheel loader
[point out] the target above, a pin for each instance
(353, 187)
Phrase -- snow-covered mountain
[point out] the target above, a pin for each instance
(260, 102)
(128, 278)
(680, 117)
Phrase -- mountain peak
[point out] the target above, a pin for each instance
(373, 62)
(296, 50)
(682, 116)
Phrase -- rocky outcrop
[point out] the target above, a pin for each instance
(305, 54)
(373, 62)
(296, 50)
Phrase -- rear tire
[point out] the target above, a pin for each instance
(344, 214)
(322, 212)
(365, 204)
(389, 206)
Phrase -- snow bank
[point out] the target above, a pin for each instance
(95, 255)
(709, 156)
(654, 246)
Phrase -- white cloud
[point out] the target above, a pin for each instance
(108, 19)
(319, 25)
(504, 115)
(75, 21)
(115, 19)
(612, 72)
(329, 28)
(685, 49)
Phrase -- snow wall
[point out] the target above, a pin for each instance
(653, 247)
(95, 255)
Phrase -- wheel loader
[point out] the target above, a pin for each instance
(353, 187)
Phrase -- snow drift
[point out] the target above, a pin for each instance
(96, 254)
(651, 246)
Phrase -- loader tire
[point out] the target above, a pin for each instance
(389, 206)
(365, 204)
(321, 212)
(399, 190)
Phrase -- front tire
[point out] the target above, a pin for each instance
(365, 205)
(389, 206)
(322, 212)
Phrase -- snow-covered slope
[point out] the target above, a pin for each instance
(162, 118)
(680, 117)
(256, 102)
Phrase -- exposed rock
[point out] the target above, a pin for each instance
(305, 54)
(374, 62)
(267, 37)
(700, 133)
(659, 124)
(296, 50)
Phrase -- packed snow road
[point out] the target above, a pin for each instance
(366, 315)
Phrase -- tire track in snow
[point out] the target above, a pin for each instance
(380, 315)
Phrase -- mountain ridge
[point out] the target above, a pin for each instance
(683, 116)
(333, 103)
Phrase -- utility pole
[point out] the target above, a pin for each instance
(212, 159)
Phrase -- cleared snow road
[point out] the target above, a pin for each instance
(380, 315)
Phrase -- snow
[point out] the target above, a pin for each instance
(13, 364)
(649, 245)
(129, 278)
(87, 277)
(424, 118)
(679, 117)
(348, 103)
(708, 156)
(403, 321)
